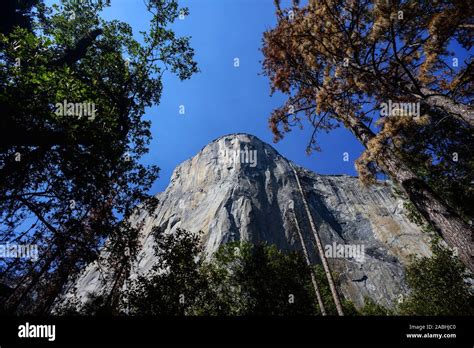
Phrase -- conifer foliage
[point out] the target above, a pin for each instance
(395, 74)
(73, 92)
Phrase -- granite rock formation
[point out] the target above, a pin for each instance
(240, 188)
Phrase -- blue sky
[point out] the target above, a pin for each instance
(223, 99)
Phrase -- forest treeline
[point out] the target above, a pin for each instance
(244, 279)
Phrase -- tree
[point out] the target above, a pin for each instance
(239, 279)
(438, 286)
(262, 280)
(176, 285)
(67, 182)
(16, 13)
(340, 61)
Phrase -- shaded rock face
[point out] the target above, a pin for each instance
(240, 188)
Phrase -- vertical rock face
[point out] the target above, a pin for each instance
(240, 188)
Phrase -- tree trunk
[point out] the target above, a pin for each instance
(308, 262)
(56, 285)
(454, 230)
(319, 245)
(19, 294)
(460, 111)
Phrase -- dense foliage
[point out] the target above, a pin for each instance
(439, 286)
(69, 181)
(242, 279)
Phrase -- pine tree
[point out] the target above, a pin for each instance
(339, 61)
(68, 183)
